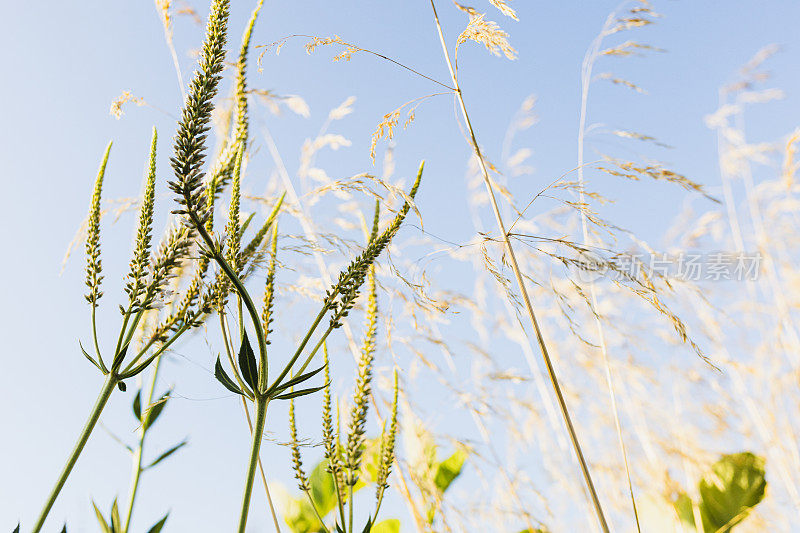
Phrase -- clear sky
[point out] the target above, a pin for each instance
(64, 62)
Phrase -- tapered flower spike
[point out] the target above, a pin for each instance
(358, 413)
(351, 279)
(233, 235)
(269, 291)
(327, 416)
(93, 264)
(141, 254)
(252, 246)
(297, 462)
(190, 146)
(222, 170)
(387, 446)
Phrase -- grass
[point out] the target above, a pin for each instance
(598, 431)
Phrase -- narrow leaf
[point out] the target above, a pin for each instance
(101, 520)
(167, 453)
(296, 380)
(116, 523)
(90, 358)
(159, 525)
(223, 378)
(298, 393)
(368, 526)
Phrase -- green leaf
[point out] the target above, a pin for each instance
(137, 405)
(683, 507)
(296, 380)
(367, 526)
(247, 363)
(154, 411)
(728, 493)
(64, 529)
(323, 491)
(159, 525)
(167, 453)
(16, 529)
(387, 526)
(120, 356)
(116, 524)
(223, 378)
(90, 358)
(300, 517)
(247, 222)
(449, 469)
(101, 519)
(297, 393)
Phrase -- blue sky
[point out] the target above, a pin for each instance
(65, 62)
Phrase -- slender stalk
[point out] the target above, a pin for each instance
(94, 416)
(137, 464)
(261, 471)
(258, 433)
(586, 79)
(521, 284)
(350, 507)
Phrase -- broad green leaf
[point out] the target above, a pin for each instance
(167, 454)
(299, 516)
(16, 529)
(223, 378)
(728, 493)
(137, 405)
(247, 363)
(323, 491)
(387, 526)
(158, 525)
(449, 469)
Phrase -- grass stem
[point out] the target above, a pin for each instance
(521, 284)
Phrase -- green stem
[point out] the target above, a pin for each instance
(241, 291)
(350, 506)
(137, 465)
(102, 399)
(258, 433)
